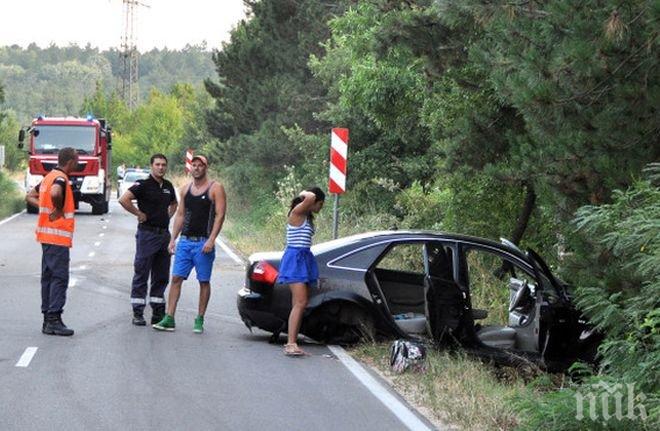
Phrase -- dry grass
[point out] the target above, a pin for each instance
(454, 389)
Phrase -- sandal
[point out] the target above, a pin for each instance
(294, 350)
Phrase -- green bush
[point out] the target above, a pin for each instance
(11, 200)
(619, 265)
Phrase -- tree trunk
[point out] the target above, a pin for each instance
(521, 225)
(525, 214)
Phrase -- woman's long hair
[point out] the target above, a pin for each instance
(319, 197)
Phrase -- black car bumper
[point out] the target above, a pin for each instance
(255, 310)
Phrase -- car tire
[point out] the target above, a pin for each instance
(31, 209)
(100, 208)
(343, 323)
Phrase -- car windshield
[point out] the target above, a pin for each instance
(51, 139)
(132, 177)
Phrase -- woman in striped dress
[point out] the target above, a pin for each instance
(298, 267)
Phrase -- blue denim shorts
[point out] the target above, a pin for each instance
(188, 255)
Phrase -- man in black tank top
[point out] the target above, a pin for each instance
(198, 219)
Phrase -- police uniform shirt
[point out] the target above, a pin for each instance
(154, 200)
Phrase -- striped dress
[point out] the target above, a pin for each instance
(298, 264)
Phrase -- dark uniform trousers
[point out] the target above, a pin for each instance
(54, 277)
(151, 259)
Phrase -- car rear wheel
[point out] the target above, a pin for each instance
(31, 209)
(101, 208)
(341, 323)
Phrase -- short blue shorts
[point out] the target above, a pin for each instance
(188, 255)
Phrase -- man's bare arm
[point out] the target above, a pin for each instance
(57, 197)
(171, 210)
(32, 197)
(178, 219)
(220, 202)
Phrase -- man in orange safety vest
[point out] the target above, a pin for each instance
(55, 225)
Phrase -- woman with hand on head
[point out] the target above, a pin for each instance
(298, 267)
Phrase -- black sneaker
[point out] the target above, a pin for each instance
(138, 319)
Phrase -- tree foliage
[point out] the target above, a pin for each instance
(167, 123)
(56, 80)
(624, 259)
(265, 86)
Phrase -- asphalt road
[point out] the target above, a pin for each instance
(112, 375)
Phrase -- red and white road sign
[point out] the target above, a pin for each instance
(189, 157)
(338, 160)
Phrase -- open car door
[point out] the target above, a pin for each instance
(445, 301)
(565, 333)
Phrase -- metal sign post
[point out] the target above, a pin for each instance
(335, 217)
(338, 162)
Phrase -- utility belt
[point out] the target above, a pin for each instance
(154, 229)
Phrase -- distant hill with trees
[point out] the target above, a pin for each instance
(56, 80)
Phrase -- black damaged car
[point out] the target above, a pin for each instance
(490, 298)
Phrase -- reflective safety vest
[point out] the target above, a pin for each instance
(60, 231)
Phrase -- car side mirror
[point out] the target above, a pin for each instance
(523, 295)
(108, 135)
(21, 138)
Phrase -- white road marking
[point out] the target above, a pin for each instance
(91, 254)
(80, 268)
(228, 250)
(400, 410)
(26, 357)
(72, 282)
(10, 218)
(97, 243)
(102, 234)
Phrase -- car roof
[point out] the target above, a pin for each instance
(394, 235)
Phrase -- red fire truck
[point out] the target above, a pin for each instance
(92, 140)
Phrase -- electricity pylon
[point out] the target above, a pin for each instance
(129, 55)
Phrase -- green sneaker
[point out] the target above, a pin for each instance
(166, 324)
(198, 327)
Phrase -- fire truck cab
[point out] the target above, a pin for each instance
(90, 137)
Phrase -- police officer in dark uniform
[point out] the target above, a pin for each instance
(157, 203)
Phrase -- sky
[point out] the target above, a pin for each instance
(166, 23)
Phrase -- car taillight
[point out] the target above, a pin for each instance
(264, 272)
